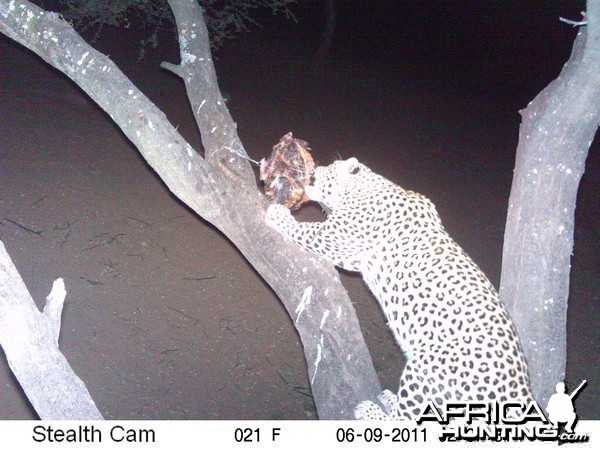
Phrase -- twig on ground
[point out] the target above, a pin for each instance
(182, 313)
(303, 390)
(91, 282)
(106, 242)
(227, 321)
(62, 226)
(164, 250)
(23, 227)
(146, 224)
(198, 278)
(34, 204)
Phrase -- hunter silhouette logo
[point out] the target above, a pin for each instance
(562, 411)
(508, 421)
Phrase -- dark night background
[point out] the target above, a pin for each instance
(425, 92)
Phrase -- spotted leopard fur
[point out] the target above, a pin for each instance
(459, 341)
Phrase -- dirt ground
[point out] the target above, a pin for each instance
(164, 318)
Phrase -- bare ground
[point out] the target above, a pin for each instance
(164, 318)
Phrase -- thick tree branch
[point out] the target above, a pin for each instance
(557, 130)
(339, 364)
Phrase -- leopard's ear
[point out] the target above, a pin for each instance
(352, 165)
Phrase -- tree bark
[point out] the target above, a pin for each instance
(220, 188)
(557, 130)
(30, 341)
(327, 35)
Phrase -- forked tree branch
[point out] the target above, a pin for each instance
(220, 189)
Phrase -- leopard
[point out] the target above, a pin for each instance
(458, 339)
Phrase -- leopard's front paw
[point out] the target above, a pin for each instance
(389, 400)
(277, 216)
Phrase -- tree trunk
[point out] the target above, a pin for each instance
(30, 341)
(557, 130)
(327, 35)
(220, 187)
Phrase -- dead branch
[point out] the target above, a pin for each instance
(30, 341)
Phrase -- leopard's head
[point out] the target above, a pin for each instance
(332, 183)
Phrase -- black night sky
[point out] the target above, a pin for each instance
(471, 42)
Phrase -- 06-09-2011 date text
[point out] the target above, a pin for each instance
(379, 435)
